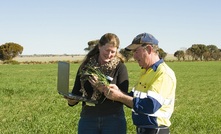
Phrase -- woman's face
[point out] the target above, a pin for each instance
(107, 52)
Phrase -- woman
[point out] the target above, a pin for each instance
(106, 117)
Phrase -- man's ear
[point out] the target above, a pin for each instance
(149, 49)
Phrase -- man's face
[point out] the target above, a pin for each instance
(142, 56)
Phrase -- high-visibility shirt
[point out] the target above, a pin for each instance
(154, 96)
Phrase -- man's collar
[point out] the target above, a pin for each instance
(155, 65)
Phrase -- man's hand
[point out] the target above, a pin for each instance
(112, 92)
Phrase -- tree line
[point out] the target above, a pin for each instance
(199, 52)
(195, 52)
(10, 50)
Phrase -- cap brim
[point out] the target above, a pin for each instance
(132, 47)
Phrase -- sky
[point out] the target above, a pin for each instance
(66, 26)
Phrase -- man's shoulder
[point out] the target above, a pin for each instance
(164, 68)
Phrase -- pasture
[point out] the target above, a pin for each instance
(29, 102)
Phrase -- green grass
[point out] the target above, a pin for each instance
(29, 102)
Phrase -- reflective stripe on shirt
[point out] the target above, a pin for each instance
(152, 94)
(157, 97)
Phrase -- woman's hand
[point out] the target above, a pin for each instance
(71, 102)
(96, 83)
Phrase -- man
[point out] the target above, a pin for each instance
(152, 98)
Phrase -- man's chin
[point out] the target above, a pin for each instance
(142, 66)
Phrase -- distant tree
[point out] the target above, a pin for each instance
(191, 51)
(127, 54)
(162, 54)
(214, 52)
(219, 54)
(206, 56)
(179, 54)
(10, 50)
(212, 48)
(91, 45)
(188, 54)
(197, 51)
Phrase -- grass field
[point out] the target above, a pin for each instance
(29, 102)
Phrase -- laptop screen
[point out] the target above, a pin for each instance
(63, 78)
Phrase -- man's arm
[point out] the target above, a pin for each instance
(113, 93)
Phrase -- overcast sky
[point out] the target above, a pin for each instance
(66, 26)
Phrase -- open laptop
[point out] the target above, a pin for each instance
(63, 83)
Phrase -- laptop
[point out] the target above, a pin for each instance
(63, 83)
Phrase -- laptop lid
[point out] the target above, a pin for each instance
(63, 78)
(63, 83)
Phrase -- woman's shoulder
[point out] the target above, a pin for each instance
(121, 65)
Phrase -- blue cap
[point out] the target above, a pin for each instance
(139, 40)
